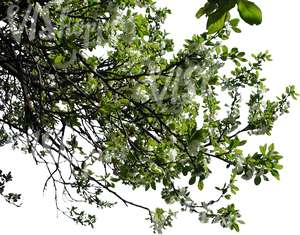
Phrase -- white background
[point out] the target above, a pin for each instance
(271, 208)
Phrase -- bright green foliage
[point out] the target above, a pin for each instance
(127, 114)
(218, 13)
(249, 12)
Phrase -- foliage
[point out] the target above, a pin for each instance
(218, 13)
(127, 114)
(12, 198)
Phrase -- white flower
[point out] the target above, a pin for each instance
(63, 107)
(173, 154)
(173, 139)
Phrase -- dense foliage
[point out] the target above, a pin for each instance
(87, 88)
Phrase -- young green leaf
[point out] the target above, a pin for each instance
(200, 185)
(200, 12)
(250, 12)
(58, 59)
(216, 21)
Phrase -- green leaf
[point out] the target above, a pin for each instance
(153, 185)
(203, 217)
(241, 221)
(237, 30)
(141, 24)
(58, 59)
(275, 173)
(234, 22)
(216, 21)
(200, 185)
(236, 227)
(263, 149)
(248, 174)
(249, 12)
(278, 167)
(92, 84)
(206, 9)
(200, 12)
(192, 180)
(271, 148)
(200, 135)
(228, 5)
(257, 180)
